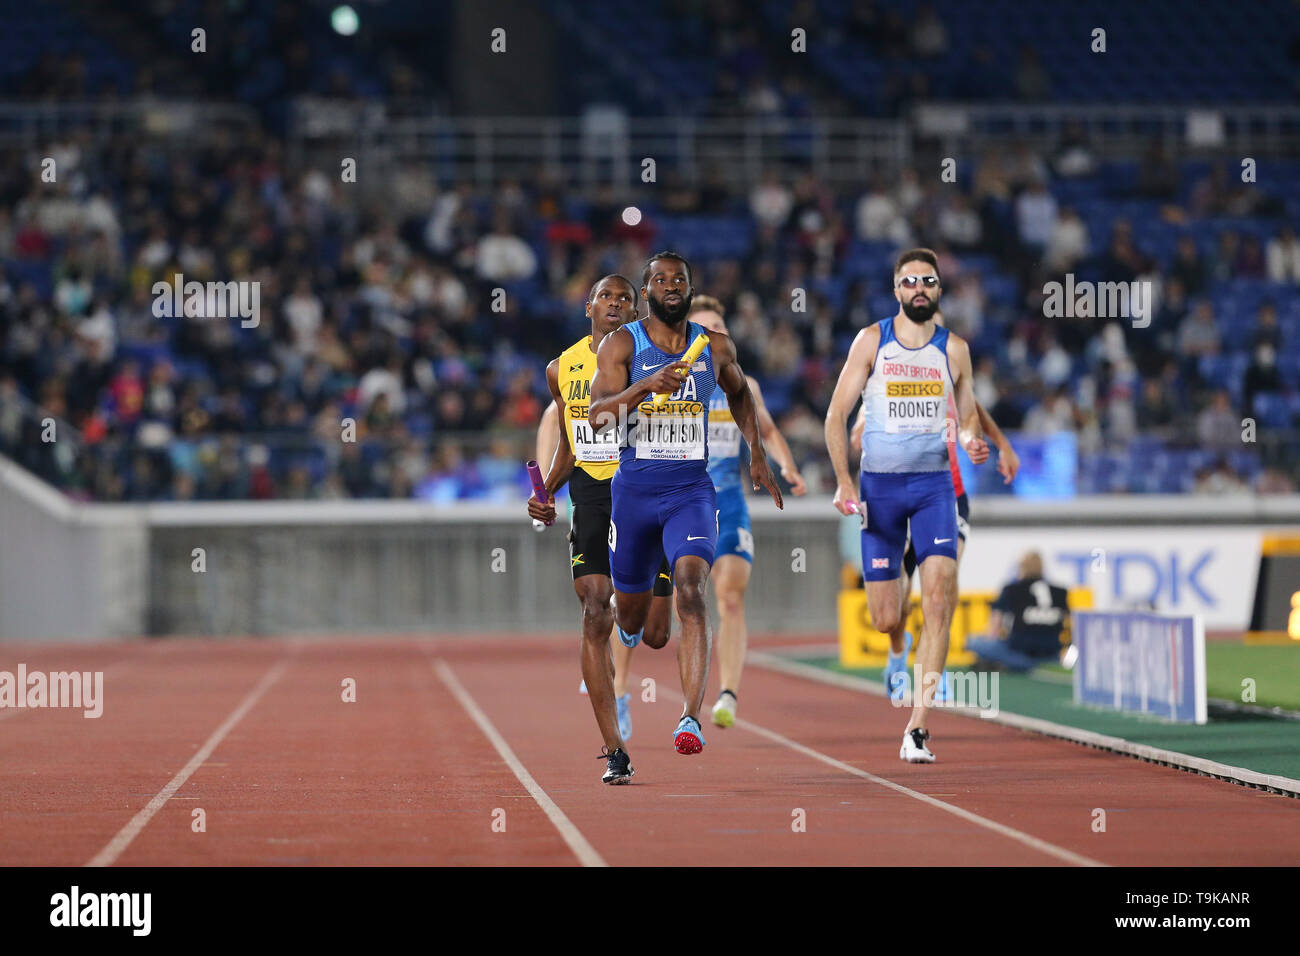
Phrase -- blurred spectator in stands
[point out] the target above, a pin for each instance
(959, 224)
(1068, 244)
(1006, 411)
(761, 98)
(1073, 157)
(1155, 411)
(1032, 82)
(1220, 480)
(964, 304)
(521, 408)
(1188, 267)
(1158, 175)
(1035, 216)
(1284, 257)
(929, 35)
(1261, 376)
(1053, 362)
(1224, 264)
(1209, 195)
(1273, 481)
(1025, 629)
(1123, 261)
(771, 201)
(783, 352)
(1054, 414)
(984, 381)
(303, 311)
(1250, 260)
(1024, 167)
(127, 392)
(1218, 427)
(1198, 335)
(1267, 331)
(384, 380)
(878, 216)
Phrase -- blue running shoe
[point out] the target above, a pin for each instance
(629, 640)
(687, 738)
(896, 678)
(624, 716)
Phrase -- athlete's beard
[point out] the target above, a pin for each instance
(920, 314)
(670, 315)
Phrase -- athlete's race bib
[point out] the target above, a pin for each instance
(915, 408)
(724, 438)
(670, 437)
(592, 447)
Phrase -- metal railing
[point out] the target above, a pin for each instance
(26, 124)
(599, 149)
(1114, 131)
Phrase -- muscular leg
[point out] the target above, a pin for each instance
(730, 579)
(904, 605)
(938, 581)
(884, 600)
(659, 621)
(631, 609)
(622, 655)
(597, 669)
(694, 647)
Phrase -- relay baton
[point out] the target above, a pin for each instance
(539, 488)
(692, 353)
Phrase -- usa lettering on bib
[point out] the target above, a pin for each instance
(589, 446)
(674, 434)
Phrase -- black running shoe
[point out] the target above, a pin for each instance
(618, 765)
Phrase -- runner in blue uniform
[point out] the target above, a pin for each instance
(663, 499)
(905, 368)
(735, 551)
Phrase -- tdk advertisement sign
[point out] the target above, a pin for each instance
(1209, 571)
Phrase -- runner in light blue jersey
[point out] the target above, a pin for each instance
(735, 551)
(904, 369)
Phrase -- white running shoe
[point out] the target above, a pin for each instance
(914, 749)
(724, 711)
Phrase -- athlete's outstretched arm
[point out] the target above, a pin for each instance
(772, 438)
(612, 398)
(1008, 460)
(561, 457)
(548, 433)
(853, 378)
(855, 433)
(969, 433)
(744, 410)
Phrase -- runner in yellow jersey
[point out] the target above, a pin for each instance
(587, 461)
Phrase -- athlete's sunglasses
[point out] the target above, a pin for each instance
(911, 282)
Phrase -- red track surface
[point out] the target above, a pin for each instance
(406, 776)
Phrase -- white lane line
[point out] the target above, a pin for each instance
(113, 850)
(1060, 853)
(583, 850)
(1179, 761)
